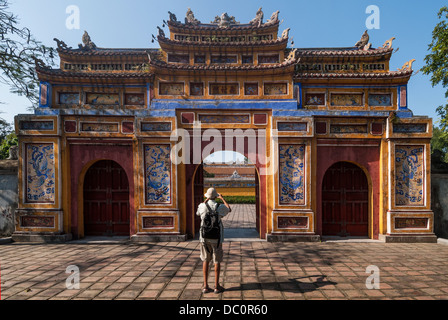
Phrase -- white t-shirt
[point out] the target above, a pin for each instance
(222, 211)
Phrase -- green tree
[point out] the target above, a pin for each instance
(437, 63)
(9, 141)
(19, 52)
(439, 145)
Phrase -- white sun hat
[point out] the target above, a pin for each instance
(211, 193)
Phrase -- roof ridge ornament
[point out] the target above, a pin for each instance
(224, 21)
(258, 20)
(173, 17)
(274, 17)
(285, 33)
(363, 43)
(161, 32)
(190, 19)
(293, 55)
(88, 44)
(407, 66)
(61, 44)
(388, 43)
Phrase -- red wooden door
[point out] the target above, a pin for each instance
(106, 200)
(345, 200)
(198, 195)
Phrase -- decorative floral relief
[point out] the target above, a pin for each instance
(292, 222)
(268, 59)
(37, 125)
(158, 174)
(40, 173)
(103, 99)
(158, 222)
(409, 169)
(274, 89)
(212, 118)
(135, 99)
(251, 89)
(156, 126)
(361, 128)
(315, 99)
(172, 89)
(224, 89)
(347, 99)
(380, 100)
(69, 98)
(196, 89)
(292, 174)
(292, 126)
(35, 221)
(179, 58)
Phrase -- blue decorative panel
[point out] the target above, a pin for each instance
(156, 126)
(380, 100)
(40, 173)
(158, 174)
(213, 118)
(409, 170)
(292, 174)
(362, 128)
(292, 126)
(68, 98)
(37, 125)
(410, 128)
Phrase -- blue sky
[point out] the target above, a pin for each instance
(317, 23)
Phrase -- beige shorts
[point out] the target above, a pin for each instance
(211, 251)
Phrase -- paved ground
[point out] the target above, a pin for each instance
(251, 270)
(242, 216)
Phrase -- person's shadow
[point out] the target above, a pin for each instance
(292, 285)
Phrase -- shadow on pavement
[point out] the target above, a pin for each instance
(292, 285)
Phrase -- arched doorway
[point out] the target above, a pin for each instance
(237, 179)
(345, 201)
(106, 200)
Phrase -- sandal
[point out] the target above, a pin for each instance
(219, 289)
(206, 289)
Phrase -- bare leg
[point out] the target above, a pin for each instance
(205, 265)
(217, 272)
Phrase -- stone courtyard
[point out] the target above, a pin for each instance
(252, 270)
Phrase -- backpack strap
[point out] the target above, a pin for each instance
(210, 209)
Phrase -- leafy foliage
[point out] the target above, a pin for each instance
(436, 62)
(437, 67)
(19, 53)
(9, 141)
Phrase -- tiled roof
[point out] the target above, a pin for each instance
(364, 75)
(223, 67)
(225, 44)
(106, 52)
(232, 27)
(58, 73)
(342, 52)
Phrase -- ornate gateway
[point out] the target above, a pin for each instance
(117, 143)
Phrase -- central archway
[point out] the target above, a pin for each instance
(231, 174)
